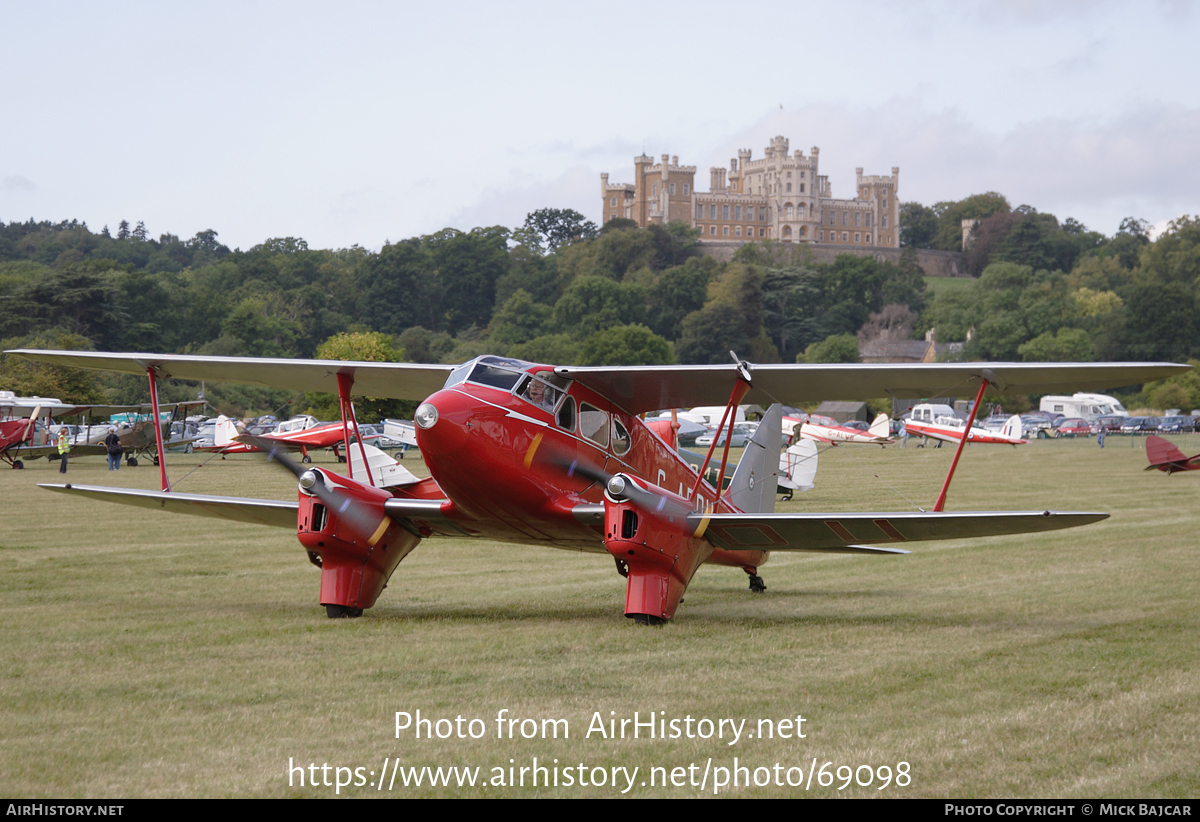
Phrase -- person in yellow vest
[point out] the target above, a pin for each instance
(64, 446)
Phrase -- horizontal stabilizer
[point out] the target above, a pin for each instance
(848, 533)
(257, 511)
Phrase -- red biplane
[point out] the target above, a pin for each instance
(1166, 457)
(297, 434)
(559, 456)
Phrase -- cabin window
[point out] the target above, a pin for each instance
(538, 393)
(620, 438)
(593, 424)
(566, 415)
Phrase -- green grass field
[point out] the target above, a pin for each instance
(156, 655)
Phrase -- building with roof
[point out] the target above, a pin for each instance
(781, 196)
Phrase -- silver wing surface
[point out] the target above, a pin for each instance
(257, 511)
(644, 388)
(853, 533)
(401, 381)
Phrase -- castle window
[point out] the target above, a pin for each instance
(699, 211)
(725, 212)
(655, 190)
(685, 189)
(868, 223)
(762, 232)
(868, 239)
(803, 232)
(789, 188)
(712, 211)
(789, 210)
(857, 219)
(712, 230)
(822, 237)
(672, 189)
(801, 177)
(737, 212)
(883, 222)
(885, 202)
(857, 237)
(612, 203)
(845, 237)
(725, 230)
(802, 188)
(832, 216)
(749, 212)
(789, 175)
(738, 231)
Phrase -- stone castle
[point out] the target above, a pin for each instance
(780, 197)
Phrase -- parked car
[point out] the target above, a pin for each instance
(1177, 425)
(1139, 425)
(740, 436)
(1073, 427)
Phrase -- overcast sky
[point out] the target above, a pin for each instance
(361, 122)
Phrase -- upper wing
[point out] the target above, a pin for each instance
(402, 381)
(647, 388)
(848, 533)
(643, 388)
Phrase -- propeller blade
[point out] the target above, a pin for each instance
(358, 515)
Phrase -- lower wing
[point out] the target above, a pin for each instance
(857, 533)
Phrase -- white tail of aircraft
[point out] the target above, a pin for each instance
(881, 427)
(384, 470)
(798, 465)
(1012, 428)
(225, 432)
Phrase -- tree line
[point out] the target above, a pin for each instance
(558, 289)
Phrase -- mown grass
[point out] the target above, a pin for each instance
(156, 655)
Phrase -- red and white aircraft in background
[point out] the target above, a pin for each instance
(826, 429)
(300, 433)
(559, 456)
(939, 422)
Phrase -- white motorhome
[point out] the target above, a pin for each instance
(1088, 406)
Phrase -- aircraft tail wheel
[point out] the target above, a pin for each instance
(342, 612)
(341, 458)
(306, 459)
(647, 619)
(131, 462)
(787, 497)
(757, 586)
(18, 464)
(156, 460)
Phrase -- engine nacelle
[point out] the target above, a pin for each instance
(358, 546)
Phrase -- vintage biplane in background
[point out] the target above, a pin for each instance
(300, 433)
(559, 456)
(1166, 457)
(22, 438)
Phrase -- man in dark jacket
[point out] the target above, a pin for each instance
(112, 444)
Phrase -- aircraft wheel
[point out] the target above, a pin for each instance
(156, 461)
(306, 460)
(757, 585)
(187, 449)
(787, 497)
(647, 619)
(342, 612)
(18, 464)
(131, 462)
(341, 458)
(1058, 435)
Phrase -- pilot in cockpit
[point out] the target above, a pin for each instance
(541, 395)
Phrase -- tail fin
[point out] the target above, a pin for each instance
(1161, 452)
(798, 466)
(1012, 428)
(756, 478)
(225, 432)
(383, 471)
(881, 427)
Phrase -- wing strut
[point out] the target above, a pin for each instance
(740, 389)
(941, 500)
(345, 383)
(152, 373)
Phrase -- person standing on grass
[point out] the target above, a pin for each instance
(64, 446)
